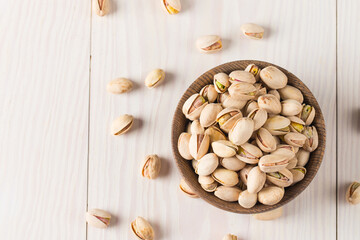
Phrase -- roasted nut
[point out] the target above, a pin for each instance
(227, 118)
(119, 85)
(221, 82)
(210, 187)
(270, 215)
(172, 6)
(150, 168)
(229, 194)
(194, 164)
(273, 77)
(271, 195)
(121, 125)
(242, 91)
(277, 125)
(290, 107)
(295, 139)
(270, 103)
(307, 114)
(199, 145)
(256, 180)
(273, 163)
(230, 102)
(241, 76)
(353, 193)
(209, 44)
(225, 177)
(285, 150)
(101, 7)
(259, 116)
(241, 131)
(184, 187)
(142, 229)
(229, 237)
(209, 113)
(232, 163)
(296, 124)
(98, 218)
(312, 140)
(209, 93)
(196, 127)
(275, 93)
(183, 145)
(290, 92)
(244, 173)
(154, 78)
(205, 179)
(292, 163)
(303, 157)
(224, 148)
(250, 106)
(265, 140)
(282, 178)
(260, 90)
(215, 134)
(249, 153)
(247, 200)
(193, 106)
(252, 31)
(254, 70)
(207, 164)
(298, 174)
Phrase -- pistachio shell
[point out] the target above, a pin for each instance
(249, 153)
(256, 180)
(230, 102)
(183, 145)
(254, 70)
(303, 157)
(242, 91)
(290, 107)
(270, 195)
(209, 43)
(296, 124)
(290, 92)
(207, 164)
(247, 200)
(270, 215)
(142, 229)
(284, 151)
(292, 163)
(224, 148)
(199, 145)
(215, 134)
(229, 237)
(194, 164)
(193, 106)
(241, 131)
(209, 113)
(273, 163)
(119, 85)
(353, 193)
(154, 77)
(241, 76)
(282, 178)
(288, 147)
(229, 194)
(196, 127)
(227, 118)
(185, 188)
(205, 179)
(225, 177)
(150, 167)
(101, 7)
(232, 163)
(307, 114)
(210, 187)
(270, 103)
(252, 31)
(121, 125)
(312, 140)
(265, 140)
(98, 218)
(244, 173)
(298, 174)
(277, 125)
(209, 93)
(259, 116)
(260, 90)
(172, 6)
(221, 82)
(295, 139)
(250, 106)
(275, 93)
(273, 77)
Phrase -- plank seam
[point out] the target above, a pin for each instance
(336, 118)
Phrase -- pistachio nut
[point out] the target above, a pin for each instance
(256, 180)
(273, 163)
(254, 70)
(285, 150)
(119, 85)
(277, 125)
(250, 106)
(121, 124)
(194, 164)
(353, 193)
(244, 173)
(302, 157)
(209, 113)
(249, 153)
(270, 215)
(207, 164)
(271, 195)
(259, 115)
(241, 131)
(307, 114)
(298, 174)
(282, 178)
(290, 92)
(196, 127)
(312, 140)
(221, 82)
(199, 145)
(273, 77)
(229, 237)
(275, 93)
(154, 78)
(150, 168)
(209, 43)
(172, 6)
(183, 145)
(225, 177)
(232, 163)
(142, 229)
(296, 124)
(205, 179)
(252, 31)
(265, 140)
(215, 134)
(292, 163)
(230, 102)
(290, 107)
(260, 90)
(98, 218)
(193, 106)
(224, 148)
(229, 194)
(247, 200)
(210, 187)
(227, 118)
(185, 188)
(295, 139)
(241, 76)
(101, 7)
(209, 93)
(242, 91)
(288, 147)
(270, 103)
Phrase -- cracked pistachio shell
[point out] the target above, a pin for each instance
(230, 102)
(270, 103)
(221, 82)
(295, 139)
(242, 91)
(207, 164)
(225, 177)
(209, 113)
(193, 106)
(290, 92)
(273, 163)
(215, 134)
(292, 163)
(229, 237)
(224, 148)
(312, 140)
(307, 114)
(229, 194)
(275, 93)
(232, 163)
(260, 90)
(271, 195)
(277, 125)
(172, 6)
(121, 125)
(150, 168)
(256, 180)
(101, 7)
(285, 151)
(282, 178)
(241, 131)
(205, 179)
(154, 77)
(303, 157)
(265, 140)
(209, 43)
(183, 145)
(142, 229)
(270, 215)
(254, 70)
(119, 85)
(288, 147)
(296, 124)
(290, 107)
(298, 174)
(249, 153)
(98, 218)
(227, 118)
(273, 77)
(209, 93)
(250, 106)
(259, 116)
(353, 193)
(196, 127)
(210, 187)
(199, 145)
(247, 200)
(241, 76)
(194, 164)
(252, 31)
(244, 173)
(185, 188)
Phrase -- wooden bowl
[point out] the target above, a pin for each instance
(180, 122)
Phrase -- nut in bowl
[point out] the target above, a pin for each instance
(273, 166)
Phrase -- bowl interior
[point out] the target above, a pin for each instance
(180, 122)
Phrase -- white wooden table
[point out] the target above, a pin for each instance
(57, 158)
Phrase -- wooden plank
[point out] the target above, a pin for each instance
(44, 74)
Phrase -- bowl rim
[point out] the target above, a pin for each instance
(258, 208)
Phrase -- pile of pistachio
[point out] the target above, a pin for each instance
(249, 136)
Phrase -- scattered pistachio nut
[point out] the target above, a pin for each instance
(150, 168)
(185, 188)
(142, 229)
(154, 78)
(98, 218)
(252, 31)
(172, 6)
(121, 124)
(230, 237)
(119, 85)
(101, 7)
(209, 43)
(270, 215)
(353, 193)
